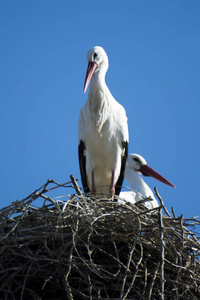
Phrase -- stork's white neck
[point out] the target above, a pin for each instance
(97, 82)
(137, 183)
(98, 101)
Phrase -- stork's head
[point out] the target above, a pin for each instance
(139, 165)
(97, 61)
(135, 161)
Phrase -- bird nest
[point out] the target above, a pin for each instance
(86, 248)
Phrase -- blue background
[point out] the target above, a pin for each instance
(154, 65)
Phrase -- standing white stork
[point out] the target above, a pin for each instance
(136, 165)
(102, 132)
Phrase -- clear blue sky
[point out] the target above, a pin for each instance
(153, 49)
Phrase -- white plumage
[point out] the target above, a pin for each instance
(136, 165)
(102, 131)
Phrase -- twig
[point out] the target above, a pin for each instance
(162, 253)
(129, 260)
(24, 283)
(173, 212)
(153, 280)
(75, 184)
(161, 202)
(66, 282)
(136, 271)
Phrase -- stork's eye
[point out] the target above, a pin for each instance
(95, 55)
(136, 159)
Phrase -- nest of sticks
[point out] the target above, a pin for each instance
(86, 248)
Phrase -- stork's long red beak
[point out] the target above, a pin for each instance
(90, 71)
(146, 170)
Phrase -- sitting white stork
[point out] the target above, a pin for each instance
(136, 165)
(102, 132)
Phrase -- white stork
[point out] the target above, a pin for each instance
(102, 132)
(136, 165)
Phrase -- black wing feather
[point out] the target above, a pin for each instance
(82, 166)
(123, 165)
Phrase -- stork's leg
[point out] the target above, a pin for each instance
(112, 187)
(94, 191)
